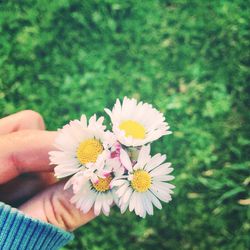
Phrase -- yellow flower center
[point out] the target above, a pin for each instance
(89, 150)
(141, 181)
(103, 184)
(134, 129)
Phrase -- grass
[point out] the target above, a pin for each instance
(188, 58)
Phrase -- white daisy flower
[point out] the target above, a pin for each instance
(98, 194)
(145, 182)
(136, 124)
(81, 146)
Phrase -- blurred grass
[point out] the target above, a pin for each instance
(188, 58)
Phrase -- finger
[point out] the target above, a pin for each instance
(25, 186)
(26, 119)
(25, 151)
(53, 206)
(48, 178)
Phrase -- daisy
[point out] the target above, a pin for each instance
(145, 182)
(81, 146)
(136, 124)
(98, 194)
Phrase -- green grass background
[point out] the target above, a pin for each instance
(190, 59)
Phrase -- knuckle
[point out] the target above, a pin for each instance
(34, 116)
(30, 113)
(14, 162)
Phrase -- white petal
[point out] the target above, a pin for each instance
(118, 182)
(125, 160)
(123, 207)
(155, 161)
(132, 201)
(88, 203)
(160, 194)
(147, 204)
(144, 155)
(137, 203)
(127, 195)
(163, 185)
(84, 121)
(162, 170)
(141, 208)
(98, 205)
(61, 172)
(108, 111)
(122, 190)
(163, 178)
(154, 200)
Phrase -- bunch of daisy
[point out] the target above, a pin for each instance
(115, 167)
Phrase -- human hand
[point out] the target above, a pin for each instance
(26, 178)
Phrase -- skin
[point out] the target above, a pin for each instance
(26, 178)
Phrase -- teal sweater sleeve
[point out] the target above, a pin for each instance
(20, 232)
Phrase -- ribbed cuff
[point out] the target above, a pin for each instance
(20, 232)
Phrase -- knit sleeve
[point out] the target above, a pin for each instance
(20, 232)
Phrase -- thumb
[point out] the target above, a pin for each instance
(53, 206)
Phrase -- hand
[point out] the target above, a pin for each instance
(26, 178)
